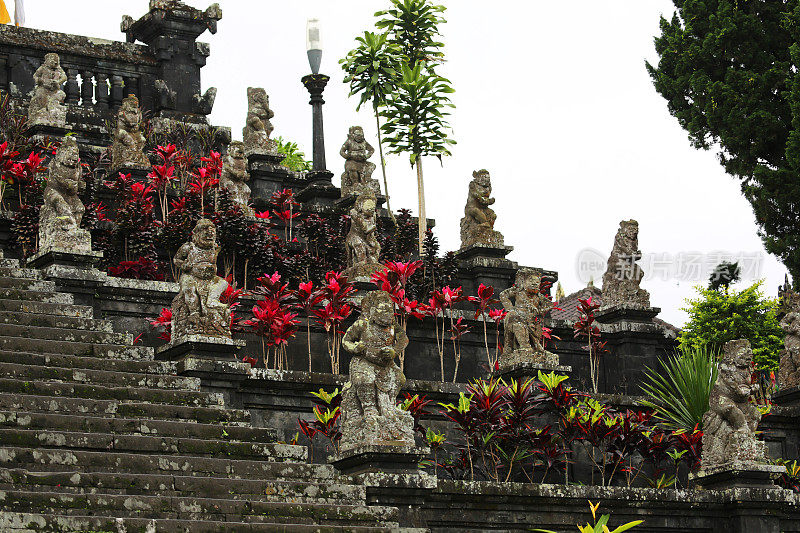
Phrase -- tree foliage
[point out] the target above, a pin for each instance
(717, 317)
(728, 70)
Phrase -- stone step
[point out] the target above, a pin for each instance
(189, 508)
(43, 308)
(133, 426)
(100, 392)
(49, 346)
(13, 270)
(27, 284)
(114, 408)
(52, 460)
(55, 321)
(36, 296)
(61, 334)
(77, 482)
(86, 362)
(56, 438)
(35, 523)
(97, 377)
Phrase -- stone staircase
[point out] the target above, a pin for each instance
(97, 436)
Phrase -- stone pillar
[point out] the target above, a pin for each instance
(315, 83)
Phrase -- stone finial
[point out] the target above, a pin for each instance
(526, 306)
(729, 425)
(363, 248)
(47, 104)
(477, 226)
(369, 413)
(127, 150)
(234, 176)
(60, 216)
(197, 308)
(357, 176)
(789, 366)
(258, 127)
(623, 275)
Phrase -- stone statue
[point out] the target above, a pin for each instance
(369, 413)
(128, 148)
(258, 128)
(234, 176)
(197, 309)
(526, 306)
(363, 248)
(357, 177)
(729, 425)
(61, 214)
(47, 104)
(789, 366)
(477, 226)
(623, 275)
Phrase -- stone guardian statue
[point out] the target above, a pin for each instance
(47, 104)
(61, 214)
(369, 413)
(789, 366)
(258, 127)
(363, 248)
(197, 309)
(623, 274)
(729, 425)
(357, 176)
(477, 226)
(127, 151)
(526, 307)
(234, 176)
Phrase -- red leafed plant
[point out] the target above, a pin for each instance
(273, 321)
(283, 207)
(160, 178)
(308, 299)
(24, 174)
(441, 303)
(143, 268)
(483, 301)
(6, 164)
(458, 330)
(163, 323)
(585, 327)
(336, 295)
(327, 409)
(204, 181)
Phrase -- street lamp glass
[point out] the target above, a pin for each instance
(313, 45)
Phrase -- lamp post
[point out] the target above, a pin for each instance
(315, 83)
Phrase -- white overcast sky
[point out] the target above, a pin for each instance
(552, 98)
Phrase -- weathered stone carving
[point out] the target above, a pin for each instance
(258, 127)
(127, 151)
(60, 216)
(357, 176)
(623, 275)
(203, 105)
(47, 104)
(477, 226)
(234, 176)
(730, 423)
(166, 98)
(197, 309)
(363, 248)
(369, 413)
(789, 366)
(526, 307)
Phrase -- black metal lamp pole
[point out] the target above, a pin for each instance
(315, 83)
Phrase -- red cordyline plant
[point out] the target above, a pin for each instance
(285, 203)
(143, 268)
(6, 164)
(585, 327)
(24, 174)
(163, 324)
(336, 294)
(497, 315)
(161, 176)
(458, 330)
(273, 320)
(441, 303)
(483, 301)
(308, 299)
(393, 279)
(204, 181)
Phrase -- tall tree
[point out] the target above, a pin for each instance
(416, 112)
(371, 69)
(729, 72)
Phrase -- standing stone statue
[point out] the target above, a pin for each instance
(363, 248)
(197, 309)
(47, 104)
(789, 366)
(477, 226)
(357, 177)
(258, 127)
(60, 216)
(234, 176)
(729, 425)
(369, 413)
(623, 274)
(127, 151)
(526, 306)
